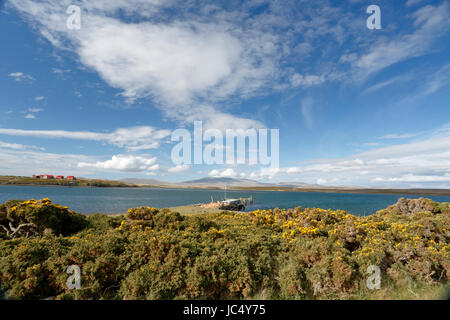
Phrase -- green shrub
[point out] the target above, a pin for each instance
(5, 207)
(286, 254)
(33, 217)
(142, 213)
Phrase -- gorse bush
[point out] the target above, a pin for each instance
(142, 213)
(265, 254)
(33, 218)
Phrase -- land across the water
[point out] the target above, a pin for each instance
(97, 183)
(430, 192)
(103, 183)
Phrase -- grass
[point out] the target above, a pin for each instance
(193, 209)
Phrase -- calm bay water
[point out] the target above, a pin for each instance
(119, 200)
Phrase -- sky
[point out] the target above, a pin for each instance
(354, 106)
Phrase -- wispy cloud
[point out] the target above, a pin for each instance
(307, 80)
(60, 71)
(430, 22)
(413, 2)
(143, 137)
(35, 110)
(426, 134)
(399, 136)
(307, 105)
(17, 146)
(416, 178)
(20, 76)
(437, 81)
(389, 82)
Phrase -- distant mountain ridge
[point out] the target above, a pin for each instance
(224, 181)
(219, 182)
(145, 181)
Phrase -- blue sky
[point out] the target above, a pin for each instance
(354, 106)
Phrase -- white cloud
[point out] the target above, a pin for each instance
(188, 62)
(20, 76)
(25, 161)
(227, 173)
(415, 178)
(371, 144)
(268, 172)
(138, 138)
(425, 162)
(19, 159)
(177, 63)
(413, 2)
(348, 58)
(430, 22)
(439, 132)
(389, 82)
(307, 80)
(399, 136)
(35, 110)
(437, 81)
(179, 168)
(17, 146)
(60, 71)
(153, 145)
(30, 116)
(127, 163)
(294, 170)
(39, 98)
(307, 105)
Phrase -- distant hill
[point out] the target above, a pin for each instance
(230, 182)
(296, 185)
(233, 182)
(218, 182)
(145, 181)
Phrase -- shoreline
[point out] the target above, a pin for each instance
(412, 192)
(103, 183)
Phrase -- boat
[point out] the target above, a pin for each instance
(229, 203)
